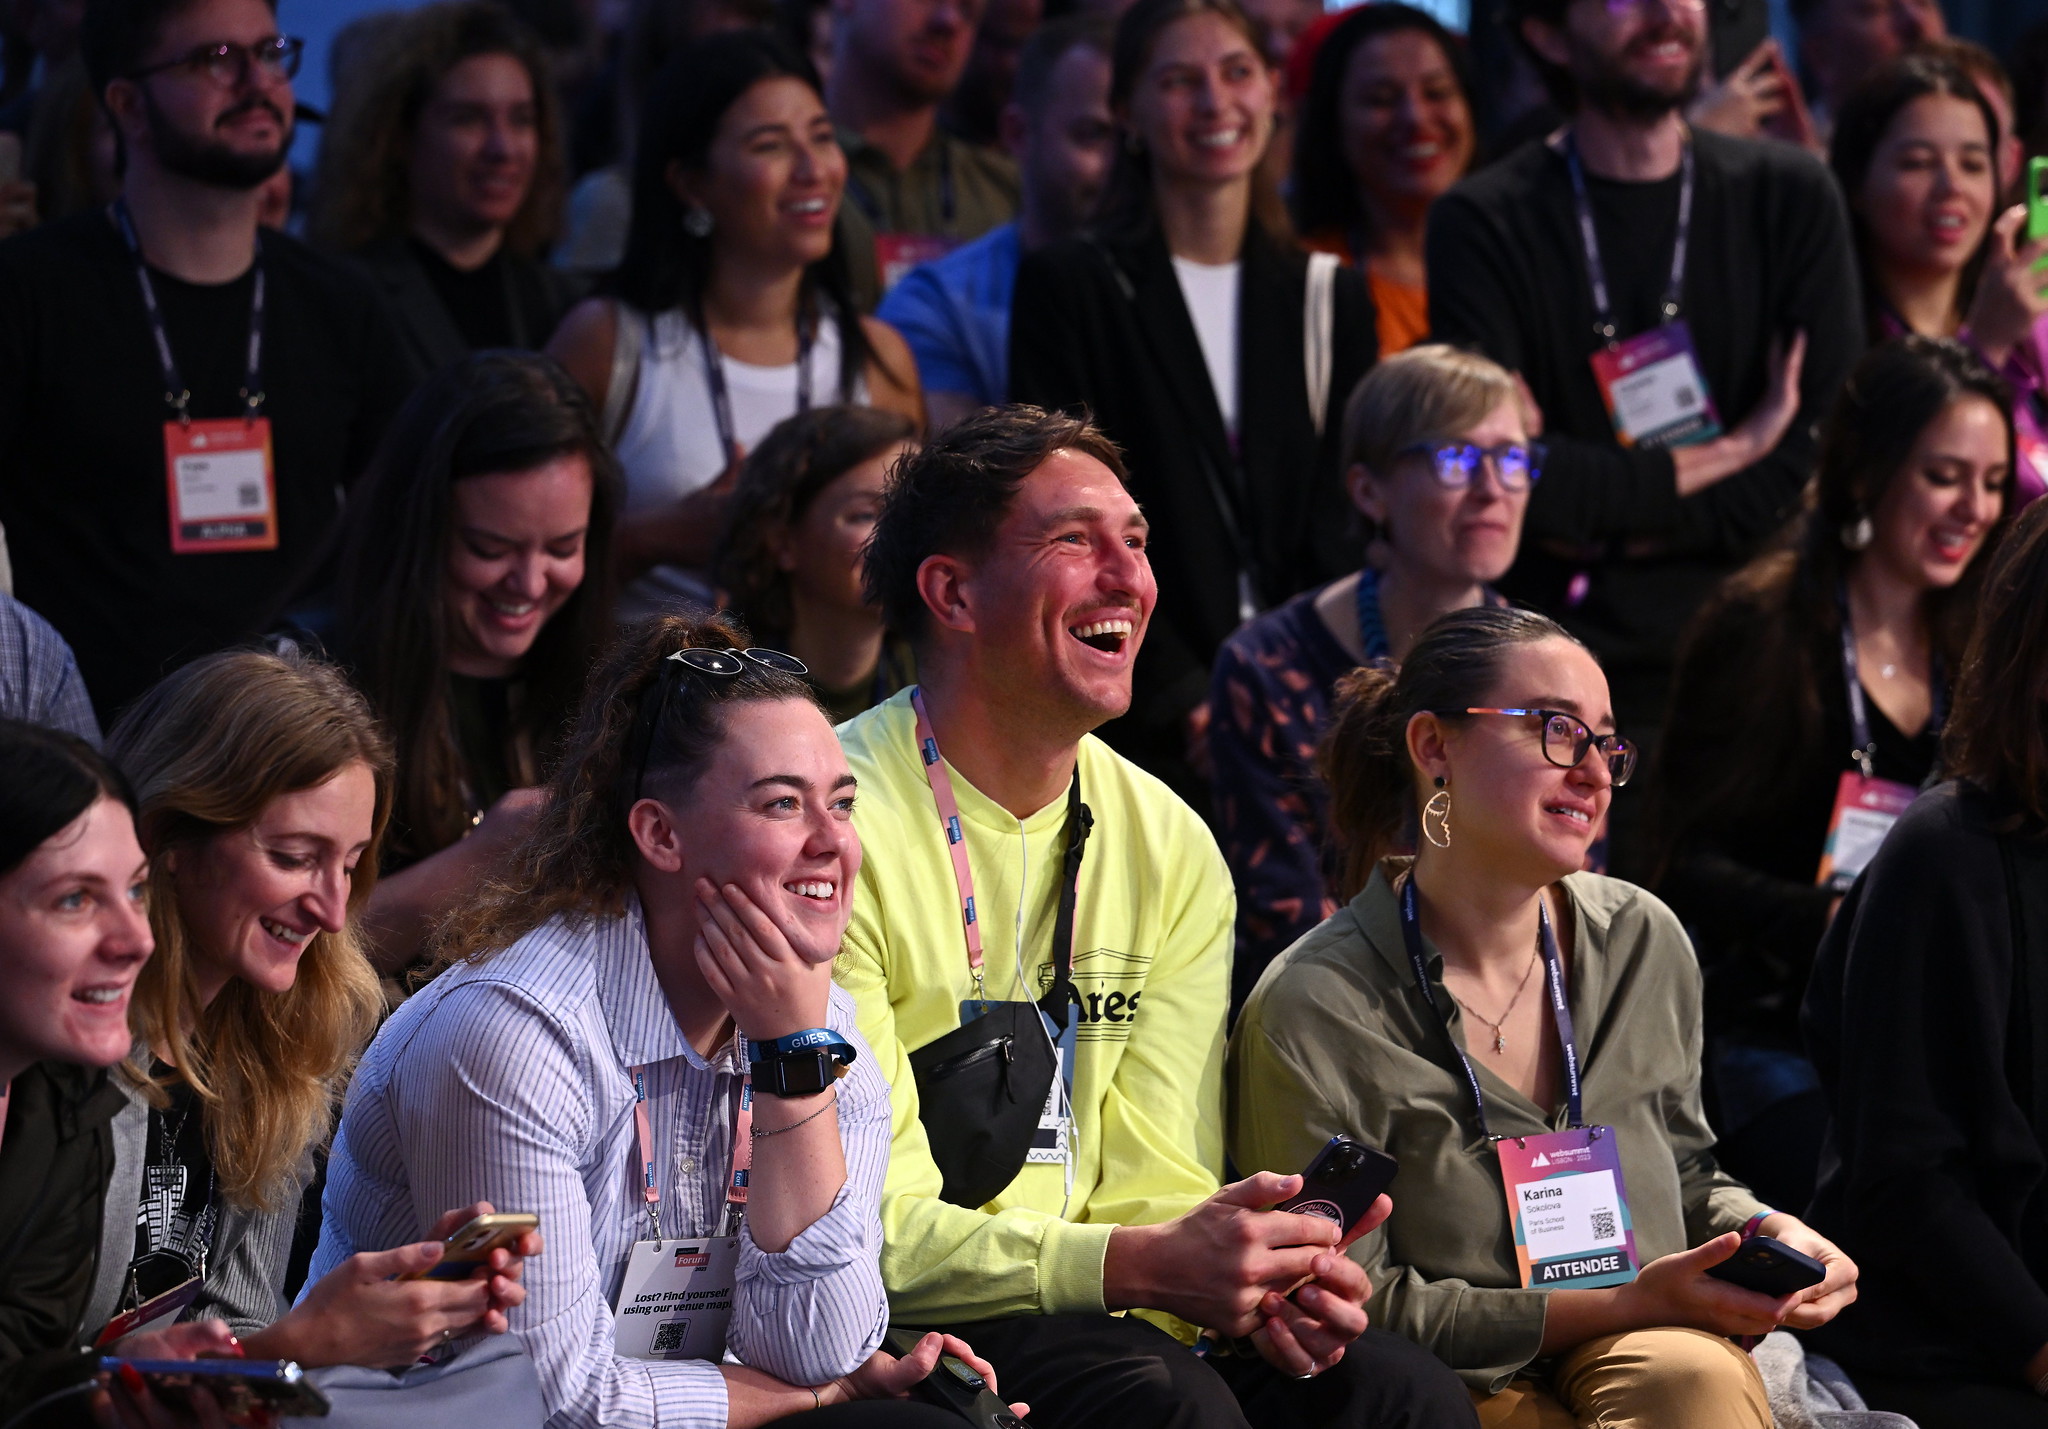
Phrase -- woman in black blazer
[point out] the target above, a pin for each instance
(1927, 1018)
(1186, 324)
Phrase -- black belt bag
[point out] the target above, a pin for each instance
(980, 1089)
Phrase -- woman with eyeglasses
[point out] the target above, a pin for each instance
(1514, 1030)
(1807, 711)
(637, 1039)
(1439, 464)
(263, 786)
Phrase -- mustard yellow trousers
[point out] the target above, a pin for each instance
(1644, 1379)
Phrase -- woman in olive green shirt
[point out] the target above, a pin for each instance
(1490, 733)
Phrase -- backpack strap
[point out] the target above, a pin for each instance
(625, 380)
(1318, 335)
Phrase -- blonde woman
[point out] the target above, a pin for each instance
(263, 786)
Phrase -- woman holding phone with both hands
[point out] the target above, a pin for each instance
(639, 1014)
(1485, 993)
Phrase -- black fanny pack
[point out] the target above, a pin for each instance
(982, 1086)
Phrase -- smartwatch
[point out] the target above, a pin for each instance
(801, 1064)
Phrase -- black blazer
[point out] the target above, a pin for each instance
(1099, 325)
(536, 297)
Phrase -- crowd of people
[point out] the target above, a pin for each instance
(761, 700)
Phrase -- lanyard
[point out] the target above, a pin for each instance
(176, 394)
(742, 1147)
(1603, 308)
(1079, 822)
(859, 189)
(1411, 933)
(1863, 746)
(1372, 630)
(721, 399)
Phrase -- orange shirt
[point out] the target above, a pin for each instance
(1403, 310)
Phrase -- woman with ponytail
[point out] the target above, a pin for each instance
(638, 1040)
(1494, 1018)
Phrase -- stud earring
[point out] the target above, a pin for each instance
(1439, 809)
(1858, 534)
(697, 222)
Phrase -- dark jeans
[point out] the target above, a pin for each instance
(872, 1414)
(1107, 1372)
(1954, 1403)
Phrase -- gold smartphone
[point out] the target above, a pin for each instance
(472, 1245)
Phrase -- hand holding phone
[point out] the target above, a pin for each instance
(249, 1392)
(956, 1385)
(471, 1245)
(1342, 1182)
(1770, 1267)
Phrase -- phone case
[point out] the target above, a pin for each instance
(954, 1385)
(471, 1245)
(1770, 1267)
(1343, 1181)
(240, 1386)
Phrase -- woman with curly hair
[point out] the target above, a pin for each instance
(441, 174)
(638, 1039)
(263, 786)
(805, 505)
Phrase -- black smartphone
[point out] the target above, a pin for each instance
(1342, 1182)
(1770, 1267)
(954, 1384)
(240, 1386)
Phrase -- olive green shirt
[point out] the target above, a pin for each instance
(952, 190)
(1338, 1039)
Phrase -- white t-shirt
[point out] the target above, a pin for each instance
(1210, 291)
(670, 446)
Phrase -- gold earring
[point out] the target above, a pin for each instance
(1438, 808)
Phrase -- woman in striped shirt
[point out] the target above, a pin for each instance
(586, 1058)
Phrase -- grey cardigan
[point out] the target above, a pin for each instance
(244, 1271)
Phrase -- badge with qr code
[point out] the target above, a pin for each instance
(222, 484)
(676, 1299)
(1569, 1209)
(1654, 392)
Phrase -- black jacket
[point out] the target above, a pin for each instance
(55, 1159)
(1099, 326)
(536, 297)
(1927, 1018)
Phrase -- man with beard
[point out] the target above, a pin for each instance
(955, 312)
(1010, 551)
(1657, 286)
(182, 401)
(913, 191)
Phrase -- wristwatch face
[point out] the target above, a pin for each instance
(800, 1074)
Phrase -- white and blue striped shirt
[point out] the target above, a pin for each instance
(508, 1081)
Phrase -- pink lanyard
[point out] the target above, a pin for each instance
(956, 838)
(742, 1149)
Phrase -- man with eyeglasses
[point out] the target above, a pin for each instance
(181, 403)
(1040, 954)
(1682, 305)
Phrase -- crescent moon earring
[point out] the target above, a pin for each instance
(1436, 816)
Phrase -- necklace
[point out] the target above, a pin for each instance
(1500, 1038)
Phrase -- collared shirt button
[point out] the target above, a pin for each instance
(687, 1165)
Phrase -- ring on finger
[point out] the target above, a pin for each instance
(1314, 1369)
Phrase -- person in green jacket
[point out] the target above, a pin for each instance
(1016, 867)
(1508, 1027)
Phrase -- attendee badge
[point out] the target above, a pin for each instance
(1654, 393)
(223, 485)
(155, 1313)
(897, 253)
(1569, 1209)
(1865, 810)
(677, 1299)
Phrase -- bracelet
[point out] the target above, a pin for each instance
(817, 1399)
(1755, 1224)
(806, 1121)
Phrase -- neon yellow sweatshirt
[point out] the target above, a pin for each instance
(1152, 948)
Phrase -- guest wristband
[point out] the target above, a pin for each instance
(801, 1064)
(822, 1039)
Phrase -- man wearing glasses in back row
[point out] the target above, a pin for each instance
(182, 401)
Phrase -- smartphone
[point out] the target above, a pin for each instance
(954, 1384)
(472, 1245)
(1770, 1267)
(242, 1387)
(1342, 1182)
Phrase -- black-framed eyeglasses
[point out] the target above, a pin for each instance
(1516, 465)
(701, 664)
(228, 64)
(1566, 740)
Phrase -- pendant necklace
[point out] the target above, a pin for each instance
(1500, 1038)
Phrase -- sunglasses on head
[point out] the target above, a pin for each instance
(708, 665)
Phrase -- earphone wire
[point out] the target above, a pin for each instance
(1059, 1082)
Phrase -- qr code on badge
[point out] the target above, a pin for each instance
(250, 494)
(1603, 1226)
(1684, 397)
(668, 1338)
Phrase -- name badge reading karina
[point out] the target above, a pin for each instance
(223, 485)
(1865, 810)
(1569, 1209)
(1654, 393)
(676, 1299)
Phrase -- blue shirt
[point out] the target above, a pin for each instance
(38, 678)
(955, 314)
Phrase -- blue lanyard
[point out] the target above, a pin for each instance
(1603, 310)
(176, 394)
(1411, 933)
(1372, 630)
(721, 398)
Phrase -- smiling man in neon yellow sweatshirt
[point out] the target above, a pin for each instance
(1005, 844)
